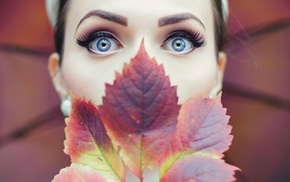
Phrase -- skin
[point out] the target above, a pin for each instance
(197, 73)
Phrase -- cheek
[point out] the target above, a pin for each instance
(84, 81)
(193, 79)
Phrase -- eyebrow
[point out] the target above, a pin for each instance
(176, 18)
(107, 16)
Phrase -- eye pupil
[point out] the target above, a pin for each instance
(103, 45)
(178, 45)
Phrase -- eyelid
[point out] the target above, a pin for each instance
(91, 35)
(195, 38)
(86, 39)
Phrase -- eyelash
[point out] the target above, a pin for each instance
(88, 37)
(194, 37)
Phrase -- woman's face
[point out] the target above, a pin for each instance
(101, 35)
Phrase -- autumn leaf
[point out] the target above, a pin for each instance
(202, 131)
(87, 141)
(199, 168)
(140, 112)
(203, 127)
(140, 130)
(78, 173)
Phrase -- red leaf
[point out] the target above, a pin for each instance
(202, 128)
(88, 143)
(199, 168)
(78, 173)
(140, 112)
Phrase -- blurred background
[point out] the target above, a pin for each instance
(256, 92)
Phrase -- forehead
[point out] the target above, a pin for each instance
(142, 11)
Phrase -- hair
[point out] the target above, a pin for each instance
(219, 24)
(59, 29)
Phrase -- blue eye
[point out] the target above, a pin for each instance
(180, 45)
(103, 45)
(100, 43)
(181, 42)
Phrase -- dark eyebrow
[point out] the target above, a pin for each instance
(176, 18)
(106, 15)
